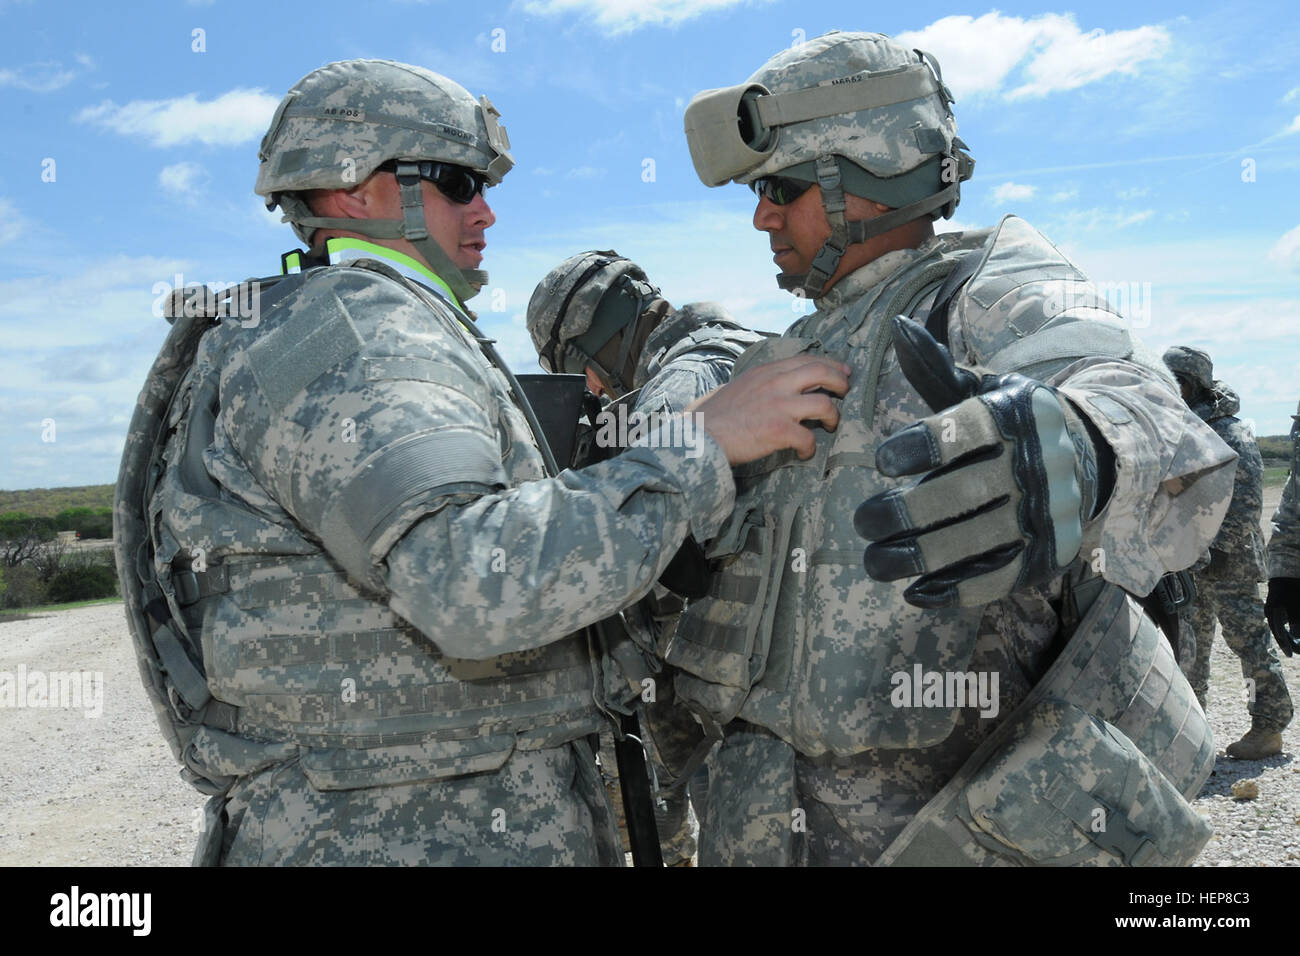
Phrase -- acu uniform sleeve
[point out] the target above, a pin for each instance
(373, 423)
(1029, 310)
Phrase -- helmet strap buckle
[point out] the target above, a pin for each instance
(408, 178)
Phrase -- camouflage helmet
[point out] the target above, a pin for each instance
(571, 313)
(1191, 364)
(340, 123)
(851, 112)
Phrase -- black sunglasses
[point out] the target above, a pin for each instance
(457, 183)
(779, 189)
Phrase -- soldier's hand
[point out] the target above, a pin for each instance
(1282, 608)
(1004, 488)
(762, 410)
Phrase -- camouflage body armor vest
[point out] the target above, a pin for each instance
(796, 638)
(255, 646)
(701, 327)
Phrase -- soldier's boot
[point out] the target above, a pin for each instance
(1256, 745)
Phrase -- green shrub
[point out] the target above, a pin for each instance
(82, 583)
(87, 522)
(23, 587)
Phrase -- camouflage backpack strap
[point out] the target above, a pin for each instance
(170, 666)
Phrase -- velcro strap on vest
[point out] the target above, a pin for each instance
(187, 679)
(191, 586)
(453, 703)
(741, 590)
(307, 345)
(1117, 832)
(1067, 340)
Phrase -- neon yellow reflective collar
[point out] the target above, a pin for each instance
(344, 248)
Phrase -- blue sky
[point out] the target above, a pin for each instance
(1153, 143)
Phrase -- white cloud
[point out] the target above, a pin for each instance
(979, 55)
(1294, 127)
(12, 223)
(1134, 192)
(182, 179)
(1291, 94)
(624, 16)
(44, 77)
(585, 172)
(49, 311)
(1286, 251)
(1064, 195)
(231, 119)
(1098, 217)
(1012, 192)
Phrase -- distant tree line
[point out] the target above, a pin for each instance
(1275, 446)
(48, 502)
(87, 522)
(37, 567)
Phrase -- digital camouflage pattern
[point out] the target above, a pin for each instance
(690, 353)
(886, 141)
(795, 639)
(393, 587)
(1284, 545)
(569, 294)
(340, 122)
(1227, 589)
(1195, 365)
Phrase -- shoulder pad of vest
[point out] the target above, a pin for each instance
(696, 325)
(1024, 286)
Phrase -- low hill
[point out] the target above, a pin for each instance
(48, 502)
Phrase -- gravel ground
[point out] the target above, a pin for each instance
(78, 789)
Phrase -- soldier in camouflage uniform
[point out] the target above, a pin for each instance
(1227, 586)
(1041, 492)
(358, 599)
(597, 313)
(1283, 604)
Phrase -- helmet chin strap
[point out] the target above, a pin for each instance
(464, 283)
(843, 233)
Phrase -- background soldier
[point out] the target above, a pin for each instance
(1283, 604)
(1227, 586)
(357, 596)
(1042, 493)
(597, 313)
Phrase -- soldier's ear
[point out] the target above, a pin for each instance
(365, 200)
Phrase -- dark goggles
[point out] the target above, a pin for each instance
(779, 189)
(458, 183)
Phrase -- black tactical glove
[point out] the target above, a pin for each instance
(1283, 612)
(1009, 477)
